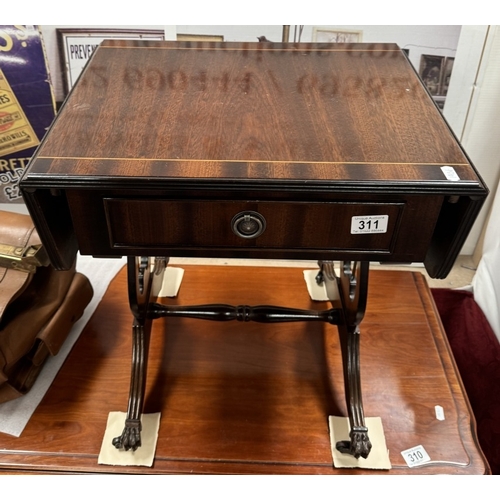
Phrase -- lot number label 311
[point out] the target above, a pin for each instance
(363, 224)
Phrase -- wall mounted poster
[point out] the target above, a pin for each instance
(77, 45)
(27, 106)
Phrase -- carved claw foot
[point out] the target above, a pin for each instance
(358, 446)
(131, 436)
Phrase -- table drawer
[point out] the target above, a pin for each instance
(256, 224)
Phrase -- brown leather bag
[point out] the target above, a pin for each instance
(38, 305)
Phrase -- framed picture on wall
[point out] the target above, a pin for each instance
(77, 45)
(322, 35)
(431, 72)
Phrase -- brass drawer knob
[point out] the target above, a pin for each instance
(248, 224)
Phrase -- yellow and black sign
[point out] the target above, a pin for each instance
(16, 132)
(26, 103)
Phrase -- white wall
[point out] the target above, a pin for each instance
(473, 109)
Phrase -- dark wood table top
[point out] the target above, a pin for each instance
(255, 398)
(252, 111)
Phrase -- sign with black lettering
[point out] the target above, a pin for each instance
(76, 47)
(416, 456)
(369, 224)
(26, 103)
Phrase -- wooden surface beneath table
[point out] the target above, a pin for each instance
(253, 398)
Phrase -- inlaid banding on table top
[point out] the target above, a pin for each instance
(247, 170)
(299, 162)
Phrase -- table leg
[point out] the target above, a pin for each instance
(353, 289)
(141, 287)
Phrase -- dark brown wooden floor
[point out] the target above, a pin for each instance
(253, 398)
